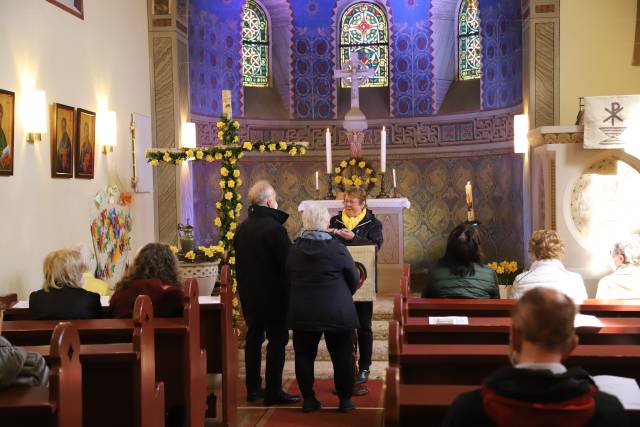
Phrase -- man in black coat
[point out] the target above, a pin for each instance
(538, 388)
(262, 245)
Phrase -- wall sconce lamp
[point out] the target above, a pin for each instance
(106, 130)
(35, 114)
(188, 135)
(520, 130)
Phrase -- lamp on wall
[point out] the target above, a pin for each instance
(35, 114)
(520, 130)
(106, 130)
(188, 135)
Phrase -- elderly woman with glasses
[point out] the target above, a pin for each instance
(624, 282)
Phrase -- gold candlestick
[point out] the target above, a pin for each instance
(382, 194)
(330, 195)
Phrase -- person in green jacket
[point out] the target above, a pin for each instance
(460, 272)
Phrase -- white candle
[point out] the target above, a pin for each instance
(469, 194)
(394, 177)
(317, 185)
(327, 147)
(383, 150)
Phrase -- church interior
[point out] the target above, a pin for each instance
(151, 121)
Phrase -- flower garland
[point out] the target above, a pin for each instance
(228, 208)
(359, 173)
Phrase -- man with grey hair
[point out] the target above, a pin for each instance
(624, 282)
(262, 245)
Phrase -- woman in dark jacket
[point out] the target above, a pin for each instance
(323, 279)
(357, 224)
(460, 272)
(62, 296)
(154, 273)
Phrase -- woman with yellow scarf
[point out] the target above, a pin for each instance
(357, 224)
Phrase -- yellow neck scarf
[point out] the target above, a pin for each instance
(352, 222)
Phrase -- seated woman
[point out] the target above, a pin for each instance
(460, 272)
(20, 367)
(624, 282)
(155, 273)
(62, 296)
(545, 250)
(91, 283)
(323, 279)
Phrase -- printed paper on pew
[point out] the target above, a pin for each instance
(587, 320)
(448, 320)
(625, 389)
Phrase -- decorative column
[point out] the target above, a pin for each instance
(541, 56)
(169, 58)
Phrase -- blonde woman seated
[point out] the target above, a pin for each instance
(90, 282)
(547, 271)
(62, 296)
(624, 282)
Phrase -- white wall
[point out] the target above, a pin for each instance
(102, 61)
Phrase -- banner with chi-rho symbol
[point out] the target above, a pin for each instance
(611, 121)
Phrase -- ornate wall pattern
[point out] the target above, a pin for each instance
(435, 187)
(501, 35)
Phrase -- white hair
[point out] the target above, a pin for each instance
(629, 248)
(315, 217)
(260, 192)
(86, 255)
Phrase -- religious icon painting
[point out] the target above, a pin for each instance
(74, 7)
(7, 102)
(85, 143)
(62, 137)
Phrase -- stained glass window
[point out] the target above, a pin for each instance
(469, 60)
(364, 29)
(255, 46)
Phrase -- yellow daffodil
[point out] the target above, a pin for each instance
(343, 164)
(234, 288)
(238, 207)
(217, 221)
(218, 205)
(224, 171)
(361, 164)
(261, 148)
(368, 171)
(174, 249)
(154, 162)
(234, 302)
(220, 125)
(357, 182)
(199, 155)
(337, 170)
(228, 153)
(232, 260)
(231, 213)
(236, 124)
(500, 270)
(247, 146)
(218, 156)
(166, 157)
(223, 183)
(348, 182)
(352, 162)
(189, 153)
(209, 158)
(272, 146)
(231, 183)
(337, 179)
(235, 139)
(238, 196)
(229, 235)
(283, 145)
(302, 151)
(236, 173)
(293, 151)
(221, 135)
(228, 195)
(233, 225)
(190, 255)
(238, 182)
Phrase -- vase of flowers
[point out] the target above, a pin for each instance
(202, 264)
(506, 272)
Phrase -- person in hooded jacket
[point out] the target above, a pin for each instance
(323, 279)
(358, 225)
(538, 390)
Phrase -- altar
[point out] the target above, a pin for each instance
(391, 256)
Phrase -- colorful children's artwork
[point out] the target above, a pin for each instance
(111, 233)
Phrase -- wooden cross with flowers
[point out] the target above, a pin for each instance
(228, 152)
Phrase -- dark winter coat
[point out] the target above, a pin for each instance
(323, 279)
(514, 397)
(369, 230)
(262, 244)
(64, 304)
(442, 284)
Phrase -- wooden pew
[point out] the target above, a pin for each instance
(122, 375)
(60, 404)
(495, 330)
(180, 362)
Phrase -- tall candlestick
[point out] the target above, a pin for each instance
(317, 183)
(394, 178)
(327, 147)
(383, 150)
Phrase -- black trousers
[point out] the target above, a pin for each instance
(274, 327)
(339, 344)
(365, 335)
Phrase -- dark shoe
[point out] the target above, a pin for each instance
(281, 399)
(311, 404)
(363, 376)
(347, 405)
(258, 394)
(359, 390)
